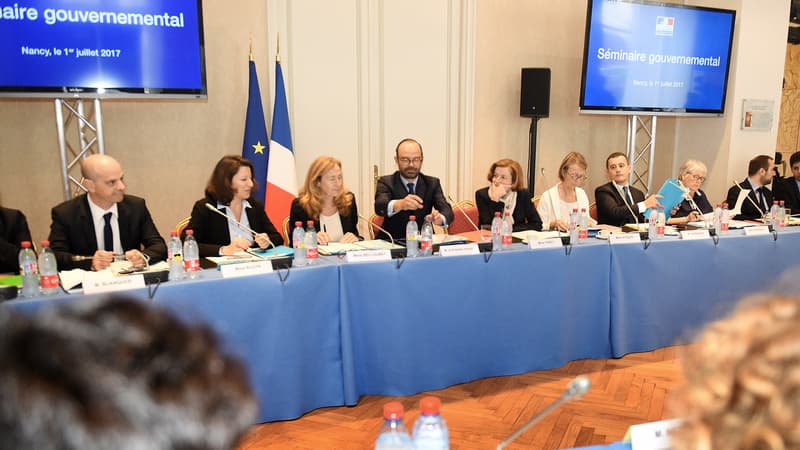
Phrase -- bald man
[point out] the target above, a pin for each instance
(105, 223)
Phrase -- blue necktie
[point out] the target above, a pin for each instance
(627, 195)
(108, 235)
(410, 188)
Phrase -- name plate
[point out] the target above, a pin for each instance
(695, 234)
(459, 249)
(623, 238)
(244, 269)
(381, 254)
(100, 285)
(756, 230)
(553, 242)
(653, 435)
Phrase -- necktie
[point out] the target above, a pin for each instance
(108, 236)
(627, 194)
(410, 188)
(761, 199)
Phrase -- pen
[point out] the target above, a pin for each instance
(324, 228)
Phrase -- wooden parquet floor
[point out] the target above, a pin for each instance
(625, 391)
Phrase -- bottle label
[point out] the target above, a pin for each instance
(507, 239)
(48, 281)
(660, 230)
(583, 233)
(411, 237)
(29, 268)
(724, 226)
(177, 257)
(312, 253)
(425, 244)
(191, 265)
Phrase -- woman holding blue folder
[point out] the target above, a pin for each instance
(692, 174)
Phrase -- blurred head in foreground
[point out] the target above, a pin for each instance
(117, 374)
(743, 379)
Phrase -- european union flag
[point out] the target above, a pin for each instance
(256, 142)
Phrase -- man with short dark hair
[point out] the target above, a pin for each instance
(408, 192)
(104, 223)
(13, 231)
(759, 175)
(788, 189)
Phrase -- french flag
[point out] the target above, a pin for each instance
(281, 179)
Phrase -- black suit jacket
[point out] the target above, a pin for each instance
(611, 208)
(72, 231)
(349, 222)
(786, 189)
(749, 210)
(211, 229)
(391, 187)
(525, 215)
(701, 200)
(13, 230)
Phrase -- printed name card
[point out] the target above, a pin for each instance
(623, 238)
(459, 249)
(381, 254)
(653, 435)
(553, 242)
(244, 269)
(757, 230)
(695, 234)
(100, 285)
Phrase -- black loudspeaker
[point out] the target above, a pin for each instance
(534, 96)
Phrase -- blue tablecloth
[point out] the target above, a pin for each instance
(435, 322)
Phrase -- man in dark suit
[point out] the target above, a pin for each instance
(13, 231)
(788, 189)
(408, 192)
(617, 200)
(759, 175)
(105, 222)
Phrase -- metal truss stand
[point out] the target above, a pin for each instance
(88, 138)
(641, 156)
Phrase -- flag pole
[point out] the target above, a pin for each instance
(278, 49)
(252, 58)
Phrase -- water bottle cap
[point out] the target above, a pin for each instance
(497, 213)
(173, 233)
(25, 244)
(430, 405)
(309, 223)
(393, 411)
(45, 243)
(298, 223)
(189, 232)
(412, 217)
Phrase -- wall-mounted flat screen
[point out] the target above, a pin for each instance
(655, 58)
(109, 48)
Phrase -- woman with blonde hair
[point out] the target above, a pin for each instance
(692, 174)
(325, 200)
(557, 203)
(507, 193)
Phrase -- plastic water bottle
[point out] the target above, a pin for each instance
(724, 219)
(191, 255)
(773, 215)
(781, 215)
(412, 237)
(299, 244)
(393, 434)
(506, 228)
(175, 256)
(312, 255)
(426, 239)
(717, 221)
(497, 232)
(430, 429)
(583, 223)
(661, 222)
(573, 226)
(48, 270)
(652, 225)
(29, 270)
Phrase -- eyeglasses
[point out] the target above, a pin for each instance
(503, 178)
(697, 178)
(576, 177)
(404, 160)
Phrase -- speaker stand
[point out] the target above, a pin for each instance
(532, 153)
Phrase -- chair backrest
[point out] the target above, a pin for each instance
(182, 225)
(373, 230)
(593, 210)
(460, 223)
(287, 237)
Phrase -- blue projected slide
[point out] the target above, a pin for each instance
(656, 57)
(110, 47)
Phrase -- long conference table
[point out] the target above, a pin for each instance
(328, 334)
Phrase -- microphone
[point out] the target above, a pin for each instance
(575, 389)
(239, 224)
(635, 216)
(372, 224)
(550, 195)
(460, 208)
(750, 199)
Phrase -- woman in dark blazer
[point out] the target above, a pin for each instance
(326, 201)
(691, 174)
(230, 191)
(507, 193)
